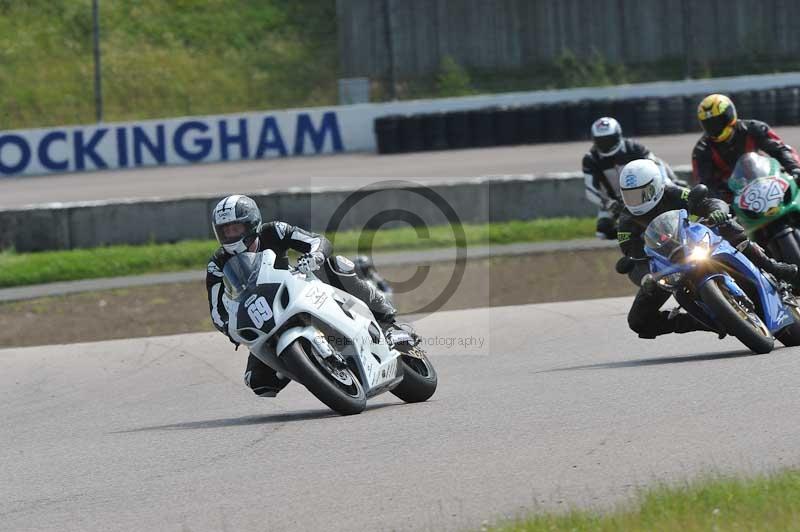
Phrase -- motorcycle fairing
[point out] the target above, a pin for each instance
(334, 309)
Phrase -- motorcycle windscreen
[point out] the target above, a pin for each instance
(752, 166)
(665, 235)
(240, 273)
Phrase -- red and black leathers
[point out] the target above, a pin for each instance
(713, 162)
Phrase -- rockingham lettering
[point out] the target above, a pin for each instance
(173, 141)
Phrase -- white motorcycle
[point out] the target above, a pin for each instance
(320, 336)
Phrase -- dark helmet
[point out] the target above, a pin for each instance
(236, 221)
(717, 115)
(607, 136)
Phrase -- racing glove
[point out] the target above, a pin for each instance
(615, 207)
(310, 262)
(718, 217)
(796, 176)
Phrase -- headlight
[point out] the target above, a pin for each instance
(702, 250)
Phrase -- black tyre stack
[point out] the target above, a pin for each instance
(579, 120)
(671, 115)
(764, 102)
(387, 133)
(690, 121)
(531, 124)
(564, 121)
(787, 106)
(434, 131)
(744, 102)
(625, 114)
(507, 126)
(482, 126)
(648, 116)
(457, 130)
(411, 134)
(600, 109)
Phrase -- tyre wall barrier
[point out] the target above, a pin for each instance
(489, 199)
(566, 121)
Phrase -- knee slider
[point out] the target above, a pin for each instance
(342, 265)
(637, 323)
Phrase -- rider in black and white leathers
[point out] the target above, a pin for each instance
(280, 237)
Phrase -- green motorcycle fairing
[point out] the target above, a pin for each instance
(762, 192)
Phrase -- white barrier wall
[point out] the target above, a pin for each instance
(284, 133)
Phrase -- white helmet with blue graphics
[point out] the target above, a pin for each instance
(641, 183)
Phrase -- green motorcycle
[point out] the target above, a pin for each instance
(767, 205)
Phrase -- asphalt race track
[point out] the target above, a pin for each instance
(561, 405)
(338, 170)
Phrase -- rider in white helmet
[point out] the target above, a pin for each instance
(646, 194)
(610, 151)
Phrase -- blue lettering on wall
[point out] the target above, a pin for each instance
(44, 151)
(270, 138)
(25, 154)
(156, 149)
(204, 144)
(82, 150)
(122, 147)
(328, 125)
(241, 139)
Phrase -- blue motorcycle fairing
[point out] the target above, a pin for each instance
(691, 234)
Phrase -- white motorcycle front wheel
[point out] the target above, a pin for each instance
(328, 379)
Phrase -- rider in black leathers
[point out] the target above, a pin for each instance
(645, 317)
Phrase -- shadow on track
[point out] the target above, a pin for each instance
(659, 361)
(303, 415)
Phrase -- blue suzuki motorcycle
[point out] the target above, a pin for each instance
(718, 285)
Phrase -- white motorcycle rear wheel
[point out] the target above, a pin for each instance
(419, 377)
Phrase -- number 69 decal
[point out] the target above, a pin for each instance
(259, 311)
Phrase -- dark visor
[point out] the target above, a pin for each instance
(606, 143)
(715, 125)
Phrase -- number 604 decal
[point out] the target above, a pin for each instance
(259, 311)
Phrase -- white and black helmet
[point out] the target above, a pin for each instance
(607, 136)
(236, 221)
(641, 183)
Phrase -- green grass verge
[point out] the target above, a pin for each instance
(17, 269)
(159, 59)
(762, 503)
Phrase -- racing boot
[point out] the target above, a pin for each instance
(684, 323)
(781, 270)
(667, 322)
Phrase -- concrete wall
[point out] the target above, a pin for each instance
(404, 39)
(85, 225)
